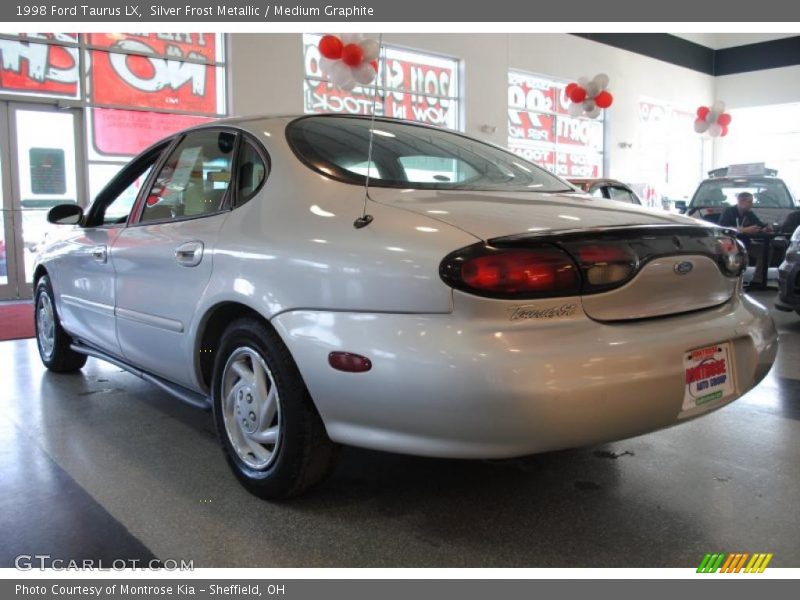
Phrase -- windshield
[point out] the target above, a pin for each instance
(767, 193)
(412, 156)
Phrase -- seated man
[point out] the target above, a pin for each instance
(742, 218)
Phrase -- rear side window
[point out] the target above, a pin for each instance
(194, 179)
(252, 172)
(621, 195)
(412, 156)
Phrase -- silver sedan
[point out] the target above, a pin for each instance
(326, 280)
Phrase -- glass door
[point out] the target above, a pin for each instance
(40, 169)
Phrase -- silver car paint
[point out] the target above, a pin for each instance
(453, 374)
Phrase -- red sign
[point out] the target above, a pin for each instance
(40, 68)
(128, 132)
(152, 81)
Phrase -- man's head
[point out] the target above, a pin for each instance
(744, 200)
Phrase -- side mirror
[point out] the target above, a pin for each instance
(65, 214)
(680, 206)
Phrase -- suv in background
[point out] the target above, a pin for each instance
(772, 201)
(607, 188)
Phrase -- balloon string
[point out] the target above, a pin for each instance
(381, 65)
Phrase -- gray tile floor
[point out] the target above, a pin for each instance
(727, 482)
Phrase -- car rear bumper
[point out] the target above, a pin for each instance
(479, 386)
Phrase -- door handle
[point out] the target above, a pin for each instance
(100, 254)
(189, 254)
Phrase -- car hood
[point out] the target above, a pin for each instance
(488, 215)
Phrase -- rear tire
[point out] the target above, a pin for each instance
(272, 436)
(51, 339)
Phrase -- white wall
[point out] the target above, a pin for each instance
(266, 76)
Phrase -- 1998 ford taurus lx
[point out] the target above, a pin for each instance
(470, 305)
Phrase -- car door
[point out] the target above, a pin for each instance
(163, 260)
(82, 274)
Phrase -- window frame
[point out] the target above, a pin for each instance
(248, 138)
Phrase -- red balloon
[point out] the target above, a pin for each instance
(702, 112)
(374, 64)
(724, 119)
(569, 88)
(604, 99)
(724, 130)
(578, 94)
(331, 46)
(352, 55)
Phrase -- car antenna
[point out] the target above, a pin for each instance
(366, 219)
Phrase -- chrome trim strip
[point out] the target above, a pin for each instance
(98, 307)
(148, 319)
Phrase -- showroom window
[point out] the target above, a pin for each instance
(768, 134)
(134, 88)
(669, 154)
(411, 85)
(541, 130)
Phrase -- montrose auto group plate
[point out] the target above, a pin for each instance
(709, 376)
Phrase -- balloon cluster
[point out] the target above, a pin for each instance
(349, 60)
(713, 120)
(589, 96)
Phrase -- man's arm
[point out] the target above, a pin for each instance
(728, 218)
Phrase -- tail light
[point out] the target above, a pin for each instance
(731, 256)
(537, 272)
(604, 265)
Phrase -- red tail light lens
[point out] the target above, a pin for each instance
(512, 273)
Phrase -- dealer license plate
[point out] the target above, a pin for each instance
(709, 376)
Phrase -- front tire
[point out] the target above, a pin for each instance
(273, 437)
(53, 342)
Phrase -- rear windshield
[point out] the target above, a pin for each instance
(767, 193)
(412, 156)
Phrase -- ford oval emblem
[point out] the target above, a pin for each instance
(682, 268)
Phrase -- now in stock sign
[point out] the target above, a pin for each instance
(738, 562)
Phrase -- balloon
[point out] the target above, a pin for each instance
(700, 125)
(364, 73)
(601, 79)
(352, 38)
(592, 89)
(712, 116)
(718, 107)
(371, 48)
(714, 130)
(374, 64)
(594, 113)
(724, 130)
(583, 81)
(575, 109)
(578, 94)
(589, 105)
(342, 76)
(724, 119)
(569, 88)
(702, 112)
(352, 55)
(325, 65)
(330, 46)
(604, 99)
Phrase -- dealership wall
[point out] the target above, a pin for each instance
(266, 76)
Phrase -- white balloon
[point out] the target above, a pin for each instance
(342, 76)
(700, 126)
(594, 113)
(351, 38)
(371, 48)
(583, 81)
(364, 73)
(714, 130)
(592, 89)
(576, 109)
(601, 79)
(718, 107)
(325, 65)
(712, 116)
(589, 105)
